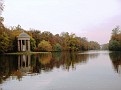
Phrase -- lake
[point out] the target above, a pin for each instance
(90, 70)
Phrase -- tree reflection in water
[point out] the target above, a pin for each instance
(8, 65)
(116, 61)
(16, 66)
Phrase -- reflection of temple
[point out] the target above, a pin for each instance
(23, 42)
(24, 65)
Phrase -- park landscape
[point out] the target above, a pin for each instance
(44, 60)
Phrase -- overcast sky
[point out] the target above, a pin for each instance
(93, 19)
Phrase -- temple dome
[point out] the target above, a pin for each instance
(23, 34)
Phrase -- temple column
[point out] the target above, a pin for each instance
(21, 46)
(25, 45)
(18, 46)
(28, 45)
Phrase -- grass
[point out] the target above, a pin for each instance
(20, 53)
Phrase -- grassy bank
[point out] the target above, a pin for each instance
(19, 53)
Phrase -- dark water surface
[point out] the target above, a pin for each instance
(92, 70)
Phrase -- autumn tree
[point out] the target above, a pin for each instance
(45, 46)
(70, 41)
(93, 45)
(58, 39)
(115, 41)
(4, 42)
(84, 43)
(46, 35)
(14, 32)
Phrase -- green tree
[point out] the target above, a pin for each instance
(32, 44)
(45, 46)
(36, 35)
(13, 44)
(115, 41)
(57, 47)
(4, 42)
(114, 45)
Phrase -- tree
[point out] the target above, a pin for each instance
(32, 44)
(93, 45)
(13, 44)
(46, 35)
(70, 41)
(36, 35)
(57, 47)
(114, 45)
(115, 41)
(116, 30)
(45, 46)
(84, 43)
(4, 42)
(1, 9)
(13, 32)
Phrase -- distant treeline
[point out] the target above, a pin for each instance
(105, 46)
(44, 41)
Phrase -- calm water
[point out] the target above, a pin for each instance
(93, 70)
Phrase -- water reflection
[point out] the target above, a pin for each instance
(24, 64)
(8, 65)
(91, 54)
(17, 66)
(116, 61)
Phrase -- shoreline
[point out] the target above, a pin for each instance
(19, 53)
